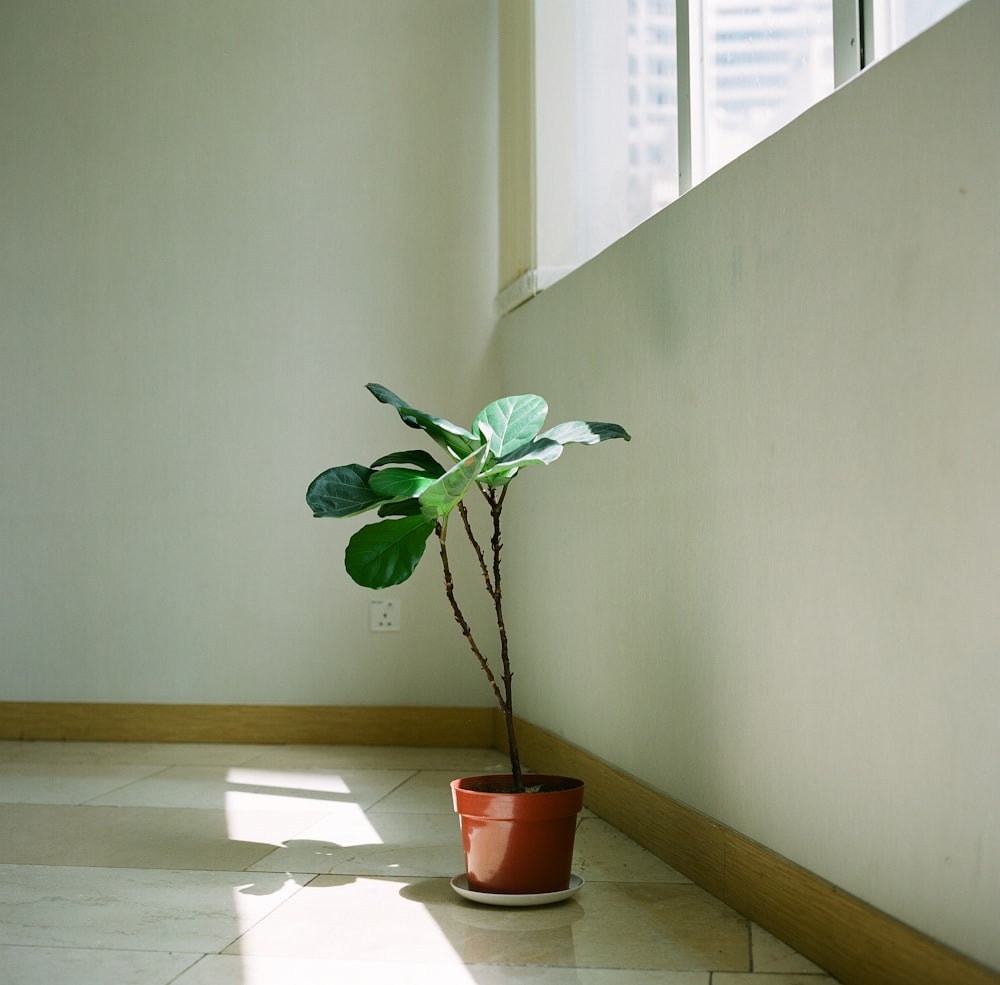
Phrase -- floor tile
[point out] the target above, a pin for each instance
(460, 762)
(379, 845)
(602, 853)
(427, 792)
(139, 837)
(64, 783)
(722, 978)
(491, 975)
(154, 753)
(216, 969)
(89, 966)
(253, 788)
(136, 909)
(771, 954)
(254, 970)
(607, 925)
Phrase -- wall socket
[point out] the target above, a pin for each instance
(384, 615)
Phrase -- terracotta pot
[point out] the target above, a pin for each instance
(518, 842)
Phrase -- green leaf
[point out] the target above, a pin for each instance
(498, 477)
(446, 434)
(400, 507)
(417, 458)
(387, 553)
(585, 433)
(514, 421)
(439, 498)
(342, 491)
(487, 433)
(399, 483)
(541, 451)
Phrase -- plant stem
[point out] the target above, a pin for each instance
(503, 699)
(496, 501)
(464, 512)
(449, 588)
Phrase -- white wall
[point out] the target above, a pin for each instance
(779, 603)
(219, 221)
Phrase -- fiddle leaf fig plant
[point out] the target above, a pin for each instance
(416, 496)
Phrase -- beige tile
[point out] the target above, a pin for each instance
(275, 828)
(352, 919)
(771, 979)
(153, 753)
(216, 969)
(607, 925)
(603, 854)
(142, 837)
(221, 969)
(375, 845)
(460, 762)
(427, 792)
(492, 975)
(64, 783)
(252, 788)
(9, 749)
(89, 966)
(772, 954)
(133, 909)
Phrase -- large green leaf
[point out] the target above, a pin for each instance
(399, 483)
(342, 491)
(585, 433)
(440, 497)
(446, 434)
(514, 421)
(416, 457)
(541, 451)
(386, 553)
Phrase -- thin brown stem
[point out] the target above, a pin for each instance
(495, 500)
(464, 513)
(449, 588)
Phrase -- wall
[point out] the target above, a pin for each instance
(219, 221)
(778, 604)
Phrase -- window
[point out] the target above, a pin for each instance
(894, 22)
(633, 102)
(754, 66)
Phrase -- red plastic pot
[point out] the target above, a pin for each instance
(518, 842)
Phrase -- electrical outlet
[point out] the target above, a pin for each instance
(383, 615)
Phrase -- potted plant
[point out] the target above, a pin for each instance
(417, 496)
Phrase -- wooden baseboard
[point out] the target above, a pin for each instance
(854, 942)
(266, 724)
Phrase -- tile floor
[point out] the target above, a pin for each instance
(148, 864)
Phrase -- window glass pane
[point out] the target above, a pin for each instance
(652, 129)
(763, 63)
(896, 21)
(626, 115)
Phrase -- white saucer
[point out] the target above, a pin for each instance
(460, 884)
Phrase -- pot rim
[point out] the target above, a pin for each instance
(566, 801)
(561, 782)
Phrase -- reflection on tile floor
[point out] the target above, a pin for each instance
(149, 864)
